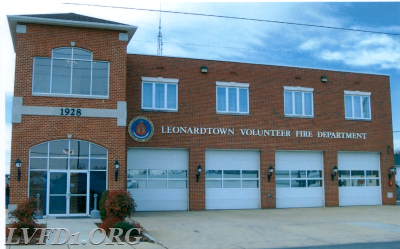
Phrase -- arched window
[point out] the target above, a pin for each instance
(70, 72)
(66, 174)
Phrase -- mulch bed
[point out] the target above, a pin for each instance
(33, 241)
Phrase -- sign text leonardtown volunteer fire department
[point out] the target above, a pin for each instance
(261, 132)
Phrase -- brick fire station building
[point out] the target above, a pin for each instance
(187, 134)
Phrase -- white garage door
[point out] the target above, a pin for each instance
(232, 179)
(299, 179)
(157, 179)
(359, 178)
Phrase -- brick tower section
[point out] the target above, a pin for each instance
(38, 41)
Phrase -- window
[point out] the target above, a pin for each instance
(232, 179)
(61, 156)
(70, 72)
(358, 178)
(232, 97)
(298, 101)
(159, 94)
(298, 178)
(157, 179)
(357, 105)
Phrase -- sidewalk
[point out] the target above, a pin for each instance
(84, 227)
(258, 228)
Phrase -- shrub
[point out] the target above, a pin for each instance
(26, 211)
(125, 226)
(109, 223)
(30, 224)
(136, 224)
(102, 210)
(25, 215)
(119, 204)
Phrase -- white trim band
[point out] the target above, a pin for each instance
(18, 109)
(233, 84)
(298, 88)
(159, 80)
(357, 93)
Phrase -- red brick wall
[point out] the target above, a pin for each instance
(197, 108)
(39, 41)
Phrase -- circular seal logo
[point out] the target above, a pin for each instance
(141, 129)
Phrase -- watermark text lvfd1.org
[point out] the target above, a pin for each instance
(114, 234)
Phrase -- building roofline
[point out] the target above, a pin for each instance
(14, 19)
(261, 64)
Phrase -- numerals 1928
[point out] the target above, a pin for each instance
(70, 112)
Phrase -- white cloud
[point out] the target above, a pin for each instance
(382, 51)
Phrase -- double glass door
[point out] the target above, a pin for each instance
(68, 193)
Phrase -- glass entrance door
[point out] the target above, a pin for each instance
(68, 193)
(58, 193)
(78, 192)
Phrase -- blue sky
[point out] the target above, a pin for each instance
(239, 40)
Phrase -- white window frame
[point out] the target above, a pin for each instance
(353, 94)
(302, 90)
(236, 86)
(166, 82)
(167, 178)
(69, 95)
(306, 178)
(240, 178)
(364, 178)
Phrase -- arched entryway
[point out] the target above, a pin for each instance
(66, 174)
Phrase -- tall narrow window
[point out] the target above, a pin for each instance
(232, 98)
(159, 94)
(357, 105)
(70, 72)
(298, 102)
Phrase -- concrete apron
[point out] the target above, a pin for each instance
(82, 226)
(272, 228)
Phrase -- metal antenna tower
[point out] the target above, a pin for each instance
(160, 44)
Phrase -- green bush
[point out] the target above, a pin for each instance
(125, 226)
(102, 209)
(119, 204)
(109, 223)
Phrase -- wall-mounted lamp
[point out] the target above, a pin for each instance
(116, 164)
(324, 79)
(392, 171)
(18, 165)
(271, 170)
(335, 169)
(204, 69)
(198, 173)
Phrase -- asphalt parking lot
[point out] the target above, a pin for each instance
(274, 228)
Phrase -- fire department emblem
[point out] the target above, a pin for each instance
(141, 129)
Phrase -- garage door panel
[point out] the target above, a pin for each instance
(285, 160)
(299, 179)
(299, 203)
(361, 160)
(167, 158)
(310, 197)
(157, 179)
(356, 171)
(360, 196)
(228, 199)
(232, 179)
(232, 160)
